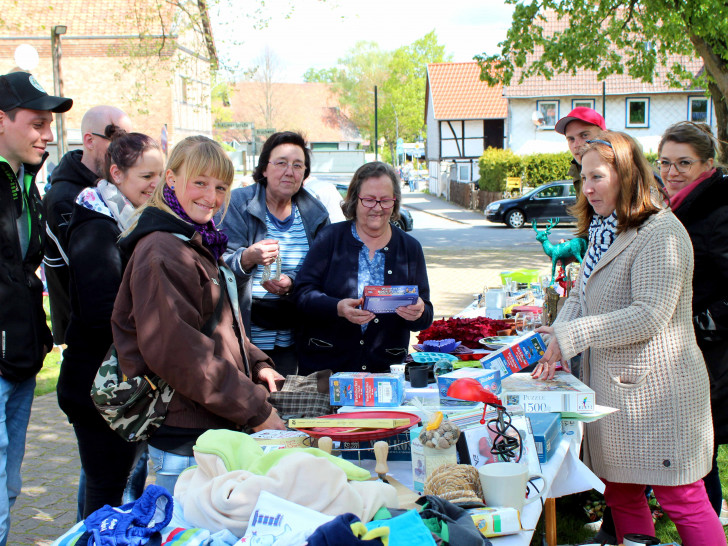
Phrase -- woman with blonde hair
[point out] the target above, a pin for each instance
(630, 317)
(169, 297)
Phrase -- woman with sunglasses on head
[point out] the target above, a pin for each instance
(134, 165)
(273, 219)
(630, 318)
(698, 191)
(366, 250)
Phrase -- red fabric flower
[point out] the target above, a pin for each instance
(467, 330)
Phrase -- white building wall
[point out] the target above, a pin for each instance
(432, 150)
(665, 109)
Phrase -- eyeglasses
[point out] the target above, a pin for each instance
(370, 202)
(282, 165)
(101, 136)
(682, 166)
(599, 141)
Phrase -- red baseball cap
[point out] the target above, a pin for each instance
(581, 113)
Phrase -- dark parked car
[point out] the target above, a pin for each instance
(548, 201)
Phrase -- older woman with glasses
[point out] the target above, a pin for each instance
(698, 191)
(366, 250)
(270, 226)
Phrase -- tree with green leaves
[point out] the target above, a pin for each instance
(400, 77)
(617, 36)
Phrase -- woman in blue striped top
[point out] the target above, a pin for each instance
(271, 219)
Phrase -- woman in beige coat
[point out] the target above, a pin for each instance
(630, 317)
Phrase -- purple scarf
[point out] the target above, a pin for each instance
(212, 238)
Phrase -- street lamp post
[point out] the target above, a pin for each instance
(56, 32)
(376, 127)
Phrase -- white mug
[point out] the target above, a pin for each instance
(504, 484)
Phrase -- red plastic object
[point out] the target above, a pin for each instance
(337, 435)
(467, 388)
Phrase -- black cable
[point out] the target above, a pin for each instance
(505, 445)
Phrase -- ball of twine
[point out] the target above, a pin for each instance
(455, 483)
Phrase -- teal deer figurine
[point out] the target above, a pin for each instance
(574, 248)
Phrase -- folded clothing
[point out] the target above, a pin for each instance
(137, 523)
(348, 530)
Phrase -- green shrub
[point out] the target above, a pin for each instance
(495, 165)
(540, 169)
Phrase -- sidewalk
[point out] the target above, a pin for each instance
(437, 206)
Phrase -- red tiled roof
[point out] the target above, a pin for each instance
(459, 93)
(84, 18)
(585, 83)
(311, 108)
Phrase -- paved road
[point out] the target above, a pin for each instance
(464, 252)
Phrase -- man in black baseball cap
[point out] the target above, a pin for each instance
(22, 90)
(25, 131)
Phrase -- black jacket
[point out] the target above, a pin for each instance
(96, 268)
(68, 179)
(24, 335)
(329, 273)
(704, 213)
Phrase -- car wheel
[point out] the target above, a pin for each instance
(515, 219)
(400, 224)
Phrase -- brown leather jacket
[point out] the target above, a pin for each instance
(169, 290)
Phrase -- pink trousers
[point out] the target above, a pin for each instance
(686, 505)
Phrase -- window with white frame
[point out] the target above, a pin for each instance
(463, 172)
(698, 109)
(638, 113)
(582, 103)
(550, 111)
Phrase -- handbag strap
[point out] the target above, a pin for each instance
(214, 319)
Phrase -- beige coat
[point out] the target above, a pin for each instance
(634, 329)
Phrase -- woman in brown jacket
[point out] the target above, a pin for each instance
(171, 288)
(630, 316)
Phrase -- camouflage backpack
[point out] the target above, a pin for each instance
(135, 407)
(132, 406)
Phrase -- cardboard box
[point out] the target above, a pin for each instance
(475, 443)
(423, 465)
(496, 522)
(282, 438)
(419, 469)
(366, 389)
(385, 299)
(562, 393)
(546, 429)
(523, 352)
(490, 379)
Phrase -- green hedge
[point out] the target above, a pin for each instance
(535, 169)
(495, 165)
(539, 169)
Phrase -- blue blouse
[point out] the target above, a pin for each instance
(371, 271)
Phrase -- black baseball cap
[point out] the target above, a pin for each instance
(22, 90)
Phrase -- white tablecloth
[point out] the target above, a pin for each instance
(564, 472)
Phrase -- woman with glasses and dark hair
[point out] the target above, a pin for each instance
(366, 250)
(630, 318)
(270, 226)
(698, 192)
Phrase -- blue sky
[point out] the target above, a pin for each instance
(315, 34)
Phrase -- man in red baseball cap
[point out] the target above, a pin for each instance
(26, 113)
(580, 125)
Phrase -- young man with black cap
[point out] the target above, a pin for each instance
(25, 131)
(580, 125)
